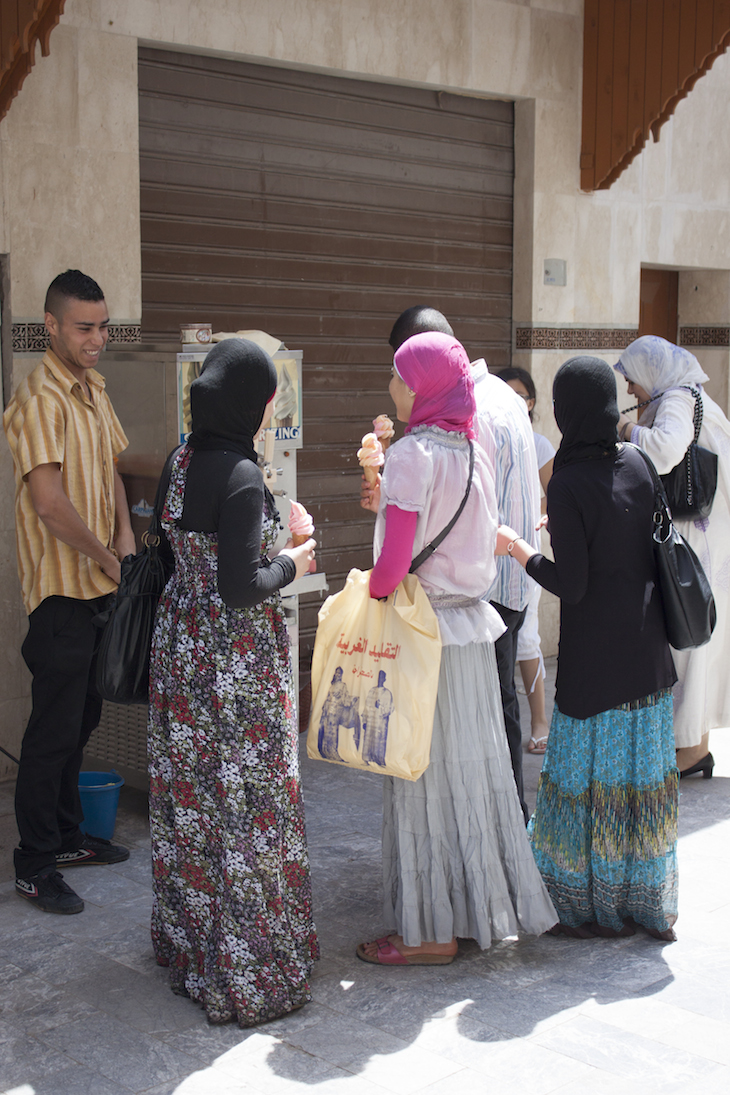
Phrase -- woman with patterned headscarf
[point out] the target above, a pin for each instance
(660, 376)
(604, 832)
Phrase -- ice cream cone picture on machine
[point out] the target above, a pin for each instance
(286, 420)
(286, 403)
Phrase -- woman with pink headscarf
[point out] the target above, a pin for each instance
(456, 859)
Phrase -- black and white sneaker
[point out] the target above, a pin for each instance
(47, 891)
(93, 849)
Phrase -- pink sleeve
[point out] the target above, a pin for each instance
(397, 554)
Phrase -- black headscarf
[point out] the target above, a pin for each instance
(586, 411)
(228, 399)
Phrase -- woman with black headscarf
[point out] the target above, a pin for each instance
(605, 827)
(232, 899)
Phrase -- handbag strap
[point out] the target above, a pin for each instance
(687, 458)
(699, 411)
(153, 534)
(662, 509)
(431, 547)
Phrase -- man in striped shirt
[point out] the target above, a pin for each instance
(72, 528)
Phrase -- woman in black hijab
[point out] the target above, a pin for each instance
(232, 901)
(605, 827)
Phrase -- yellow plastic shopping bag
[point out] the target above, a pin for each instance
(374, 679)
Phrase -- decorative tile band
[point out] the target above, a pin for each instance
(32, 338)
(601, 338)
(573, 338)
(704, 336)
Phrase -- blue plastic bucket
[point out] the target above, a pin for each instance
(99, 793)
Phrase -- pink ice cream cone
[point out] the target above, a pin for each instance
(384, 430)
(301, 525)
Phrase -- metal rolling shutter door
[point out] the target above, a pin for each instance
(317, 208)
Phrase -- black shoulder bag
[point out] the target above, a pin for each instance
(691, 485)
(429, 549)
(689, 607)
(123, 658)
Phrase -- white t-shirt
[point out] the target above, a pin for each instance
(544, 449)
(505, 435)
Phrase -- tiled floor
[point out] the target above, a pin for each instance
(85, 1011)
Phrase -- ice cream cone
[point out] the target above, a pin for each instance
(301, 525)
(370, 457)
(384, 431)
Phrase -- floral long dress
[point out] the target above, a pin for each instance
(232, 913)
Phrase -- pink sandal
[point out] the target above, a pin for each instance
(388, 955)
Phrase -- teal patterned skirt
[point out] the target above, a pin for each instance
(604, 832)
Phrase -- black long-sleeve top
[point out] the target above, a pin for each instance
(224, 494)
(613, 642)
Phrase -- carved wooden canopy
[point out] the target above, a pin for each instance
(22, 24)
(640, 57)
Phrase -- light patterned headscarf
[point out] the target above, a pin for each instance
(657, 365)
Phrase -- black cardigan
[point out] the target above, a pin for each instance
(224, 494)
(613, 642)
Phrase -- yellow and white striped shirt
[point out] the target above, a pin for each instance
(50, 420)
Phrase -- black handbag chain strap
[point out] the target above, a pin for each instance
(431, 547)
(699, 411)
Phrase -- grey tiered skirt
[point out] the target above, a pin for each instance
(456, 858)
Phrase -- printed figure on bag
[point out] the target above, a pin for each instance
(379, 706)
(337, 701)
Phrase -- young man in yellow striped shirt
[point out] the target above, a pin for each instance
(72, 529)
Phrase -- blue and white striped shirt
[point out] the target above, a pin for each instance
(505, 435)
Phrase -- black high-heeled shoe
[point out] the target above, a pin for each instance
(705, 766)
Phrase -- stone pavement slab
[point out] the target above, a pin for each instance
(84, 1009)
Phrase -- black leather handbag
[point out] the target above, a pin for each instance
(692, 484)
(123, 657)
(689, 607)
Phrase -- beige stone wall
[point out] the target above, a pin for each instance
(506, 48)
(70, 172)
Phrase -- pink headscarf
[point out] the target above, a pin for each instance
(436, 367)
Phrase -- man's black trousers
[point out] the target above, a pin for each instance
(506, 650)
(60, 651)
